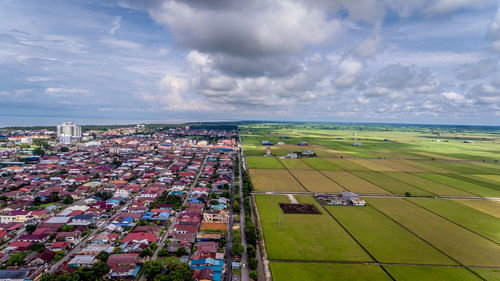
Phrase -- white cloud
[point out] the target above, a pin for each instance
(64, 90)
(116, 25)
(349, 70)
(457, 99)
(120, 43)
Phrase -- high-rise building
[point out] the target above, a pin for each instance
(69, 132)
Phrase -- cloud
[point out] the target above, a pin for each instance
(493, 32)
(64, 90)
(447, 6)
(120, 43)
(479, 69)
(457, 99)
(349, 70)
(116, 25)
(368, 47)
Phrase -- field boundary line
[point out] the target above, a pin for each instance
(445, 175)
(384, 263)
(427, 242)
(333, 180)
(466, 228)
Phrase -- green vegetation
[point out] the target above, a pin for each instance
(428, 185)
(314, 181)
(274, 180)
(283, 271)
(304, 237)
(321, 164)
(459, 184)
(448, 237)
(430, 273)
(263, 162)
(390, 184)
(384, 239)
(296, 164)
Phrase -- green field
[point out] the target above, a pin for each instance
(274, 180)
(304, 237)
(321, 164)
(446, 236)
(295, 164)
(354, 183)
(256, 162)
(392, 185)
(283, 271)
(490, 274)
(386, 240)
(474, 220)
(460, 184)
(430, 273)
(486, 206)
(425, 184)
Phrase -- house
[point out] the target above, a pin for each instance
(206, 274)
(210, 263)
(42, 258)
(59, 246)
(216, 216)
(124, 265)
(14, 274)
(143, 237)
(82, 220)
(353, 199)
(175, 246)
(83, 261)
(71, 236)
(96, 249)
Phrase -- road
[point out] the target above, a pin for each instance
(101, 226)
(229, 240)
(163, 239)
(244, 257)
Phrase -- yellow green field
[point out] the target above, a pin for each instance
(314, 181)
(274, 180)
(354, 183)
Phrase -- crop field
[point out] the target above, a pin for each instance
(321, 164)
(384, 239)
(314, 181)
(354, 183)
(304, 237)
(415, 236)
(425, 184)
(474, 220)
(373, 165)
(430, 273)
(446, 236)
(283, 271)
(274, 180)
(486, 206)
(256, 162)
(460, 184)
(392, 185)
(295, 164)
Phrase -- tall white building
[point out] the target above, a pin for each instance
(69, 132)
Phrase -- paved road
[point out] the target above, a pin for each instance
(101, 226)
(229, 240)
(244, 257)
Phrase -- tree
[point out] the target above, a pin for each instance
(153, 246)
(39, 151)
(178, 271)
(103, 256)
(407, 194)
(38, 247)
(54, 197)
(237, 249)
(67, 228)
(48, 277)
(163, 253)
(141, 222)
(181, 252)
(236, 207)
(251, 251)
(117, 250)
(64, 149)
(68, 200)
(152, 268)
(252, 263)
(38, 201)
(254, 275)
(250, 232)
(16, 259)
(30, 228)
(146, 252)
(100, 269)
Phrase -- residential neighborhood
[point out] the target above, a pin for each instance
(114, 203)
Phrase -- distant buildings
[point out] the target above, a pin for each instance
(357, 144)
(69, 133)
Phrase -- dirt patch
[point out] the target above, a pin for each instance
(288, 208)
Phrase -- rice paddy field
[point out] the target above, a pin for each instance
(432, 194)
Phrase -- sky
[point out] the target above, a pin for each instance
(130, 61)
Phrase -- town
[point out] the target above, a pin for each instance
(124, 203)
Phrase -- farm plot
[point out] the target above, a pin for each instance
(285, 271)
(398, 165)
(353, 183)
(459, 184)
(384, 239)
(321, 164)
(422, 165)
(373, 165)
(485, 206)
(347, 165)
(465, 167)
(474, 220)
(304, 237)
(490, 274)
(295, 164)
(392, 185)
(274, 180)
(425, 184)
(314, 181)
(448, 237)
(256, 162)
(323, 151)
(430, 273)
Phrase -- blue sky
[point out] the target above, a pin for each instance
(105, 62)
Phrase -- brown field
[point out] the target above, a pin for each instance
(314, 181)
(323, 151)
(423, 166)
(213, 226)
(486, 206)
(295, 164)
(399, 166)
(288, 208)
(346, 165)
(374, 165)
(274, 180)
(354, 183)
